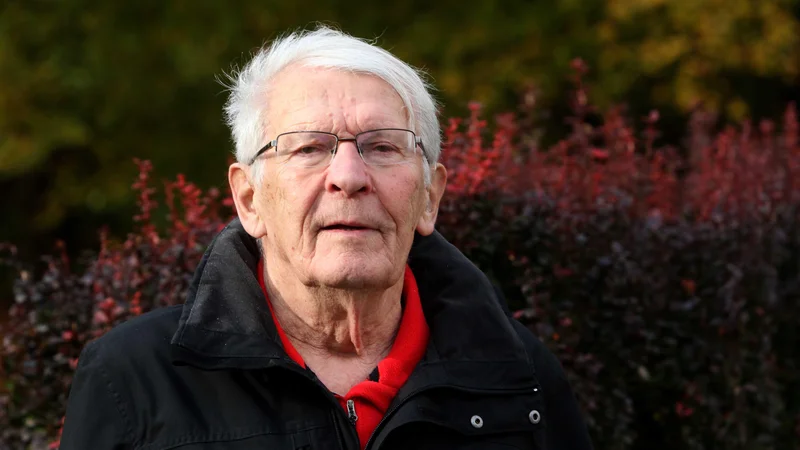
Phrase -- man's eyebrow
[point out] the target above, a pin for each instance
(302, 126)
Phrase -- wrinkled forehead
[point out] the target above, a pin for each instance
(321, 99)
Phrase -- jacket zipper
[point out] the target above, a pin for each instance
(351, 407)
(426, 388)
(351, 412)
(337, 406)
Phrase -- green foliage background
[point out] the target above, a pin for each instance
(87, 86)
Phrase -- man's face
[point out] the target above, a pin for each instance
(346, 225)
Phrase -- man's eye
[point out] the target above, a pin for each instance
(309, 149)
(382, 148)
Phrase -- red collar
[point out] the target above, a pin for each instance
(372, 398)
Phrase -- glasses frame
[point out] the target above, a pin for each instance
(274, 143)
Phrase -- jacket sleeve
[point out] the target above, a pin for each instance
(565, 426)
(96, 417)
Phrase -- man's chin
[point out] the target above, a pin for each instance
(355, 275)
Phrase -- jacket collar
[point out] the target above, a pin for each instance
(226, 323)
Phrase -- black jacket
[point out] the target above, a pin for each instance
(212, 374)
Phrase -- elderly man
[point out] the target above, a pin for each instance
(329, 314)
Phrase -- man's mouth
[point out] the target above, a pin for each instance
(346, 227)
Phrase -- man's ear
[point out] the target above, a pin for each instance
(427, 220)
(243, 197)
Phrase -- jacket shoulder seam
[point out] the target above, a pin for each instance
(118, 401)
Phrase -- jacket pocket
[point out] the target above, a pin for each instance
(455, 419)
(319, 438)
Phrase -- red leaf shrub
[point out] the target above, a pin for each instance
(56, 315)
(665, 279)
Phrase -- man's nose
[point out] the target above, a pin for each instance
(347, 172)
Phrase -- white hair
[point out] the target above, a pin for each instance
(331, 49)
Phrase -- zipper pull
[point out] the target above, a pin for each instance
(351, 412)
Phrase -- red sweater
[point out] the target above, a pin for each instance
(371, 397)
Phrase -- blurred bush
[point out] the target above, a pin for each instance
(665, 279)
(86, 86)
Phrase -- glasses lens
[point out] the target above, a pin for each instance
(305, 148)
(386, 147)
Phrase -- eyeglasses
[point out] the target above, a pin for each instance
(308, 149)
